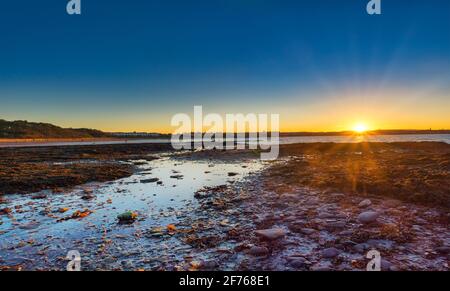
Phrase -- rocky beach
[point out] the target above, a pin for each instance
(320, 206)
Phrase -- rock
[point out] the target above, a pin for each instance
(365, 203)
(81, 214)
(5, 211)
(298, 262)
(39, 196)
(29, 226)
(368, 217)
(289, 197)
(87, 197)
(63, 209)
(443, 250)
(346, 232)
(325, 215)
(361, 248)
(392, 203)
(271, 234)
(322, 266)
(127, 217)
(209, 265)
(308, 231)
(335, 225)
(258, 251)
(330, 253)
(383, 244)
(386, 265)
(151, 180)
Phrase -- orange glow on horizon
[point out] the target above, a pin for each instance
(360, 127)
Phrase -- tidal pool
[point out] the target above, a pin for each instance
(39, 231)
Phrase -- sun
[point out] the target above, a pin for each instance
(360, 127)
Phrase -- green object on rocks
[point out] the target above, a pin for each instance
(127, 216)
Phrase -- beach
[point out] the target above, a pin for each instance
(320, 206)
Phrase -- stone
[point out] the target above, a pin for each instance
(383, 244)
(322, 266)
(209, 265)
(271, 234)
(39, 196)
(151, 180)
(386, 265)
(361, 248)
(443, 250)
(324, 215)
(127, 217)
(258, 251)
(298, 262)
(330, 253)
(5, 211)
(368, 217)
(308, 231)
(335, 225)
(365, 203)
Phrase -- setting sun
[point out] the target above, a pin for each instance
(360, 128)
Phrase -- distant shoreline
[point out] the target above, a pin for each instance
(282, 134)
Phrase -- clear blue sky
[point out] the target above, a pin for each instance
(321, 64)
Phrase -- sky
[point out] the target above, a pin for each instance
(323, 65)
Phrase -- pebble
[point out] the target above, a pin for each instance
(443, 250)
(368, 217)
(330, 253)
(361, 248)
(258, 251)
(298, 262)
(323, 266)
(308, 231)
(365, 203)
(335, 225)
(271, 234)
(151, 180)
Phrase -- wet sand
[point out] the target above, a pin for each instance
(319, 207)
(32, 169)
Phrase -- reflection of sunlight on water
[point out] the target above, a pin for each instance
(366, 138)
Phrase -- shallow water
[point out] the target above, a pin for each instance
(283, 140)
(35, 226)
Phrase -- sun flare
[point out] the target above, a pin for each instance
(360, 128)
